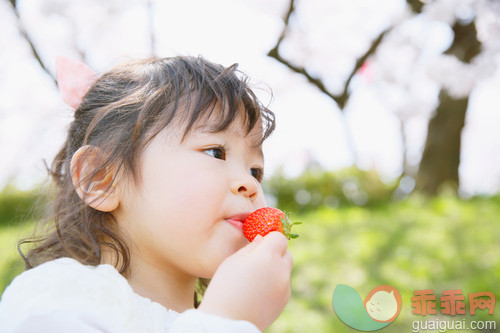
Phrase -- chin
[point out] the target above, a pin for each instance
(209, 271)
(206, 276)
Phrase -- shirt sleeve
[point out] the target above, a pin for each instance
(198, 321)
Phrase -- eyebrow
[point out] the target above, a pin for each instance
(208, 128)
(259, 151)
(255, 146)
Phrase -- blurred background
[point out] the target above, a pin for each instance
(386, 147)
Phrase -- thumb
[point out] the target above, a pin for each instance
(275, 242)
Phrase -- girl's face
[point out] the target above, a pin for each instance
(184, 216)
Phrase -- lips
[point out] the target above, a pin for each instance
(237, 220)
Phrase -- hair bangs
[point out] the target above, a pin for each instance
(219, 100)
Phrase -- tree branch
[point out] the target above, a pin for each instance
(291, 9)
(301, 70)
(416, 5)
(25, 35)
(342, 98)
(274, 53)
(152, 36)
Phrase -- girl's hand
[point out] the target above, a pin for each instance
(253, 284)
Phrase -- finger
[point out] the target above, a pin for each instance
(288, 259)
(257, 238)
(275, 242)
(251, 245)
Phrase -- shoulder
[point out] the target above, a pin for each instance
(98, 293)
(64, 280)
(63, 295)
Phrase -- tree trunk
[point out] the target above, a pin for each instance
(441, 157)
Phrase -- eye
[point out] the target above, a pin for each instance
(257, 173)
(218, 152)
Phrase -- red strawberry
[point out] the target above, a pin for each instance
(267, 219)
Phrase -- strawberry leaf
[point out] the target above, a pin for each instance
(287, 227)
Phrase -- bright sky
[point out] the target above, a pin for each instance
(33, 119)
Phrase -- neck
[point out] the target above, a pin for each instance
(173, 290)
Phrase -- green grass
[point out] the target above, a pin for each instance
(11, 263)
(440, 244)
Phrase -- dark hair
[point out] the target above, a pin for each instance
(120, 114)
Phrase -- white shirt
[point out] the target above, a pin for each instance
(65, 296)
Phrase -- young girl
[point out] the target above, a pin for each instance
(162, 164)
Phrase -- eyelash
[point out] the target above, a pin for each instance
(257, 173)
(222, 149)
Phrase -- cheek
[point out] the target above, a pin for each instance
(190, 195)
(199, 183)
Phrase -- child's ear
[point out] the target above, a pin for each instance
(95, 189)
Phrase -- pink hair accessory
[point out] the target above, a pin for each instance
(74, 79)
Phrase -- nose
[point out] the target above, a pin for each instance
(245, 184)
